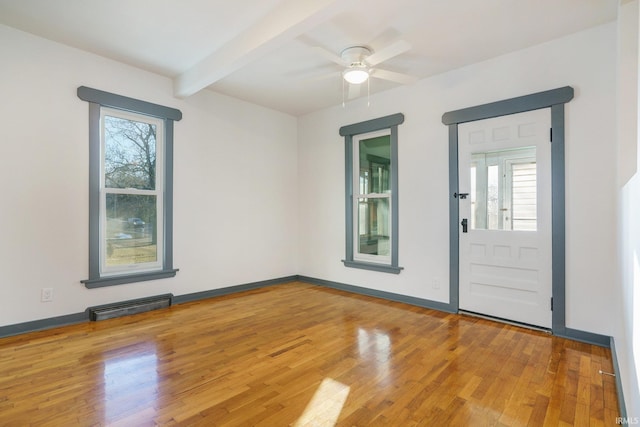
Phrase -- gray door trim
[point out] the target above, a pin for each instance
(554, 99)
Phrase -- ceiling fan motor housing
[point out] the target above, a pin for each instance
(355, 56)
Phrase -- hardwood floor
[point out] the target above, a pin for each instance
(297, 354)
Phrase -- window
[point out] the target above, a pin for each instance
(371, 165)
(131, 190)
(131, 182)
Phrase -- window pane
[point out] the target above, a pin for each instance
(504, 190)
(131, 232)
(474, 198)
(493, 199)
(130, 154)
(524, 196)
(374, 225)
(375, 162)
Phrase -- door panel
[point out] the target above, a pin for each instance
(505, 255)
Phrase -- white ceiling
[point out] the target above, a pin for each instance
(262, 50)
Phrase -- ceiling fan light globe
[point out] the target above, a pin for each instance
(355, 76)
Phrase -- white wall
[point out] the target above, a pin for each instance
(586, 61)
(627, 334)
(235, 178)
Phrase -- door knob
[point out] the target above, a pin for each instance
(464, 225)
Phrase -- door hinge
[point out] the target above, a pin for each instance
(551, 303)
(550, 134)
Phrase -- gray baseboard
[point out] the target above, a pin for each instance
(231, 289)
(43, 324)
(420, 302)
(622, 407)
(585, 337)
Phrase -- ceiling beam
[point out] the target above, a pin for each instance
(288, 20)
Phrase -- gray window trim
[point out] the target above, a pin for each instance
(98, 99)
(388, 122)
(555, 100)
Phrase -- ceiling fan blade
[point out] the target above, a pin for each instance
(354, 91)
(330, 56)
(394, 49)
(404, 79)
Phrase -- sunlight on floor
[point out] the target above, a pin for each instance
(375, 348)
(130, 384)
(325, 406)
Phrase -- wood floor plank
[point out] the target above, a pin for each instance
(299, 354)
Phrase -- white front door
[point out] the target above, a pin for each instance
(504, 166)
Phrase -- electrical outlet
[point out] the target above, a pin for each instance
(436, 283)
(46, 295)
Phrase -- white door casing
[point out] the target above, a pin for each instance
(505, 257)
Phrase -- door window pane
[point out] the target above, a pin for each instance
(493, 197)
(524, 196)
(504, 190)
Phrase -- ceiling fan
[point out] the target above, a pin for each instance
(359, 63)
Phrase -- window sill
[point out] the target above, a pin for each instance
(373, 266)
(128, 278)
